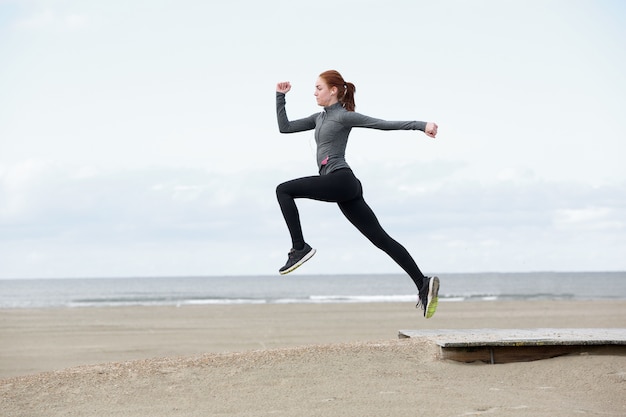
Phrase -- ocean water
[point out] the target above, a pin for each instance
(296, 288)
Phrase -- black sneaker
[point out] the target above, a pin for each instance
(297, 258)
(429, 296)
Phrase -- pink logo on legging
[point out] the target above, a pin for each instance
(325, 161)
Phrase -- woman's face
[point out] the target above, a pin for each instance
(325, 96)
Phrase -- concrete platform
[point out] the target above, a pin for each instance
(519, 345)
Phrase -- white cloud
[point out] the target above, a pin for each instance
(156, 220)
(590, 218)
(16, 187)
(51, 20)
(76, 21)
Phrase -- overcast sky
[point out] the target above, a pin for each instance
(139, 138)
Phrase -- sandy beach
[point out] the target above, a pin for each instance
(296, 360)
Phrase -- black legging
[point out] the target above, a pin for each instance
(343, 188)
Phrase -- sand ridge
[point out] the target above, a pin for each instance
(351, 379)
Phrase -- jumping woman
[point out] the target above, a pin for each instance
(337, 183)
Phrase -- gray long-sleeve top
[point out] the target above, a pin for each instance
(332, 127)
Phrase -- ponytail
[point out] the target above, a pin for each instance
(348, 97)
(345, 90)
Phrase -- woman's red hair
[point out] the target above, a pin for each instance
(345, 90)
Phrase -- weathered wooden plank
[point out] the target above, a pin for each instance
(520, 337)
(515, 345)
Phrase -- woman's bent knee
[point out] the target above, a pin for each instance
(280, 189)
